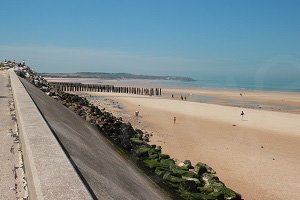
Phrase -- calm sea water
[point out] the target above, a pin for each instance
(286, 85)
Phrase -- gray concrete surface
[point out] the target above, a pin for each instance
(49, 172)
(108, 174)
(7, 179)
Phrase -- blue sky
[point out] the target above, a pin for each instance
(202, 39)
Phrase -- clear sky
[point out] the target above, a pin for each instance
(197, 38)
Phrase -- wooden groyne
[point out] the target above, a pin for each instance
(79, 87)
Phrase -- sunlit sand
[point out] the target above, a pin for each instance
(257, 156)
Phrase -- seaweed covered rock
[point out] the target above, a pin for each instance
(190, 185)
(126, 132)
(136, 141)
(172, 180)
(201, 168)
(152, 163)
(188, 164)
(182, 172)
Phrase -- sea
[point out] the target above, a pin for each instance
(270, 85)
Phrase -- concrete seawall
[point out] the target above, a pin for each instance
(49, 173)
(108, 173)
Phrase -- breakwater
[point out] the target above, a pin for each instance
(79, 87)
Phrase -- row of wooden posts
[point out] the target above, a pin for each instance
(79, 87)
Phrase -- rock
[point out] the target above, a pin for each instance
(152, 163)
(164, 156)
(198, 182)
(154, 156)
(142, 152)
(188, 164)
(126, 132)
(210, 179)
(160, 171)
(172, 180)
(189, 185)
(179, 172)
(168, 163)
(136, 141)
(201, 168)
(229, 194)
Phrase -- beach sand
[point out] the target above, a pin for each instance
(257, 157)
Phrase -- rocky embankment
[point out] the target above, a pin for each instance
(190, 182)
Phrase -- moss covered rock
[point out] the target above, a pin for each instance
(152, 164)
(136, 141)
(201, 168)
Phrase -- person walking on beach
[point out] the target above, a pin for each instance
(242, 115)
(174, 120)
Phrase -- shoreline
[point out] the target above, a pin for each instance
(156, 83)
(261, 100)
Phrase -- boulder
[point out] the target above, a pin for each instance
(172, 180)
(152, 163)
(179, 172)
(189, 185)
(201, 168)
(167, 163)
(136, 141)
(160, 171)
(142, 152)
(210, 179)
(126, 132)
(164, 156)
(188, 164)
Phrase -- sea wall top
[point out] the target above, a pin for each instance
(49, 173)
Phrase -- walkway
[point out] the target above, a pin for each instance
(7, 179)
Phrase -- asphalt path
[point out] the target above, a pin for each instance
(106, 173)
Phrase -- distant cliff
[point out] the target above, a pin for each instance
(114, 76)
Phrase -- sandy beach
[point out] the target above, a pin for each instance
(257, 157)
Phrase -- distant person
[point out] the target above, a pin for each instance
(136, 113)
(174, 120)
(185, 98)
(181, 97)
(172, 95)
(242, 115)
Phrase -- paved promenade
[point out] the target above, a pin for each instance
(7, 179)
